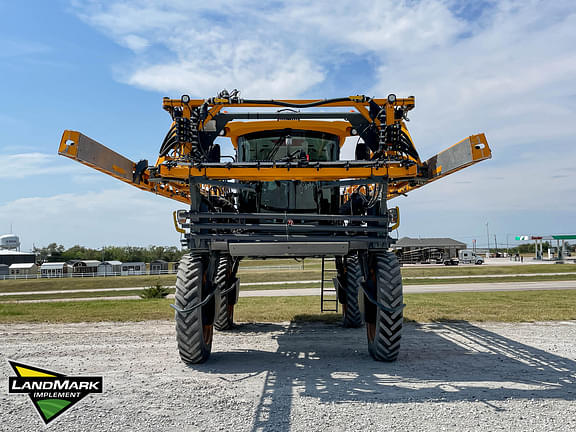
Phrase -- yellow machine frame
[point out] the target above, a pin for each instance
(171, 175)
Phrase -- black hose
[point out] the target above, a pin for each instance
(169, 135)
(292, 105)
(166, 146)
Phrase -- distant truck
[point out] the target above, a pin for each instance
(468, 256)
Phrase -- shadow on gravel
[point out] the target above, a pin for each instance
(444, 362)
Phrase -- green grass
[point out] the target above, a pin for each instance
(311, 272)
(500, 279)
(10, 285)
(487, 270)
(88, 311)
(410, 282)
(515, 306)
(88, 294)
(246, 263)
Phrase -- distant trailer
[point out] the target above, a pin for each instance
(109, 268)
(24, 269)
(427, 250)
(52, 270)
(133, 269)
(158, 267)
(85, 266)
(421, 256)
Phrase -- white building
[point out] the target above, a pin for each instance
(24, 269)
(57, 269)
(10, 257)
(109, 268)
(85, 266)
(133, 268)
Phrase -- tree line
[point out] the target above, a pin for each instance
(57, 253)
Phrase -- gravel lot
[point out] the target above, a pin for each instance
(307, 377)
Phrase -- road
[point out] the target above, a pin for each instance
(435, 288)
(293, 292)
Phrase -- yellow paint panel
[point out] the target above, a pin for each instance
(235, 129)
(480, 148)
(69, 143)
(25, 372)
(303, 174)
(118, 169)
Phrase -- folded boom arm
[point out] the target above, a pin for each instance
(171, 181)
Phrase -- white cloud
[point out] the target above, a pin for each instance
(18, 166)
(135, 43)
(279, 49)
(204, 48)
(512, 78)
(122, 216)
(295, 75)
(522, 189)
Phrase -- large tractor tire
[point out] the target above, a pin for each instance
(351, 316)
(194, 329)
(384, 324)
(225, 304)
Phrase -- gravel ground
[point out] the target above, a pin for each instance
(307, 377)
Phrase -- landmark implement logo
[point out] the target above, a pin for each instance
(51, 393)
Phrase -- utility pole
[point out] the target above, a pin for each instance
(495, 245)
(488, 238)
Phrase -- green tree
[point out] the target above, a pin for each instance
(52, 252)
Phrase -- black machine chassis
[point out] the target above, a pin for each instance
(209, 231)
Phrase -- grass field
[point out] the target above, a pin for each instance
(517, 306)
(505, 274)
(114, 292)
(11, 285)
(84, 294)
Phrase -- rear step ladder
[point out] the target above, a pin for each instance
(328, 293)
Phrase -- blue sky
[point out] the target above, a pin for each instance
(506, 68)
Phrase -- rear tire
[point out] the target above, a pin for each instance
(225, 305)
(351, 316)
(194, 329)
(384, 328)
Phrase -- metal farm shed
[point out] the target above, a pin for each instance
(109, 268)
(133, 268)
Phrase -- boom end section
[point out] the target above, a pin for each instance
(463, 154)
(85, 150)
(79, 147)
(467, 152)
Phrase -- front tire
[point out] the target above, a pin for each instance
(384, 327)
(194, 329)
